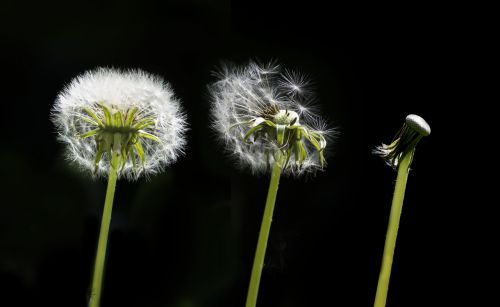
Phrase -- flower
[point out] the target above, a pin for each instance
(264, 115)
(414, 128)
(130, 113)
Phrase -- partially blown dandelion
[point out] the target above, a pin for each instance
(119, 124)
(263, 116)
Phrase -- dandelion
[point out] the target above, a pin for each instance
(399, 155)
(133, 114)
(118, 124)
(264, 117)
(266, 122)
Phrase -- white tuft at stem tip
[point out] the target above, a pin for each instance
(418, 124)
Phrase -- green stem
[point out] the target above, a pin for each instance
(258, 262)
(95, 294)
(392, 229)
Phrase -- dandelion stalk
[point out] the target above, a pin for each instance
(392, 229)
(258, 262)
(399, 154)
(265, 119)
(95, 294)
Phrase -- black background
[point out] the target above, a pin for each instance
(186, 238)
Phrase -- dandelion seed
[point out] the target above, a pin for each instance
(294, 83)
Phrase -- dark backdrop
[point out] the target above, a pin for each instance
(186, 238)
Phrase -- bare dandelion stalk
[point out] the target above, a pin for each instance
(95, 291)
(118, 124)
(265, 120)
(265, 227)
(399, 154)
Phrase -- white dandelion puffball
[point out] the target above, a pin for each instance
(128, 113)
(264, 115)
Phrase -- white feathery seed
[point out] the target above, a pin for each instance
(144, 114)
(249, 107)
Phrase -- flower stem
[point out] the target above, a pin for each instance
(258, 263)
(392, 229)
(95, 294)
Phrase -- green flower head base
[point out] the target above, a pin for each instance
(284, 128)
(406, 139)
(261, 115)
(129, 114)
(119, 133)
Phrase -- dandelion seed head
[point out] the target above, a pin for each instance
(131, 113)
(260, 111)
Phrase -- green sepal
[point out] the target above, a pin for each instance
(302, 154)
(270, 123)
(288, 156)
(132, 156)
(88, 120)
(118, 119)
(98, 157)
(89, 133)
(298, 134)
(130, 116)
(321, 158)
(252, 131)
(140, 151)
(313, 141)
(108, 119)
(144, 134)
(93, 115)
(124, 157)
(137, 125)
(144, 124)
(280, 134)
(320, 138)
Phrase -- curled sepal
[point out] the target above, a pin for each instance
(405, 141)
